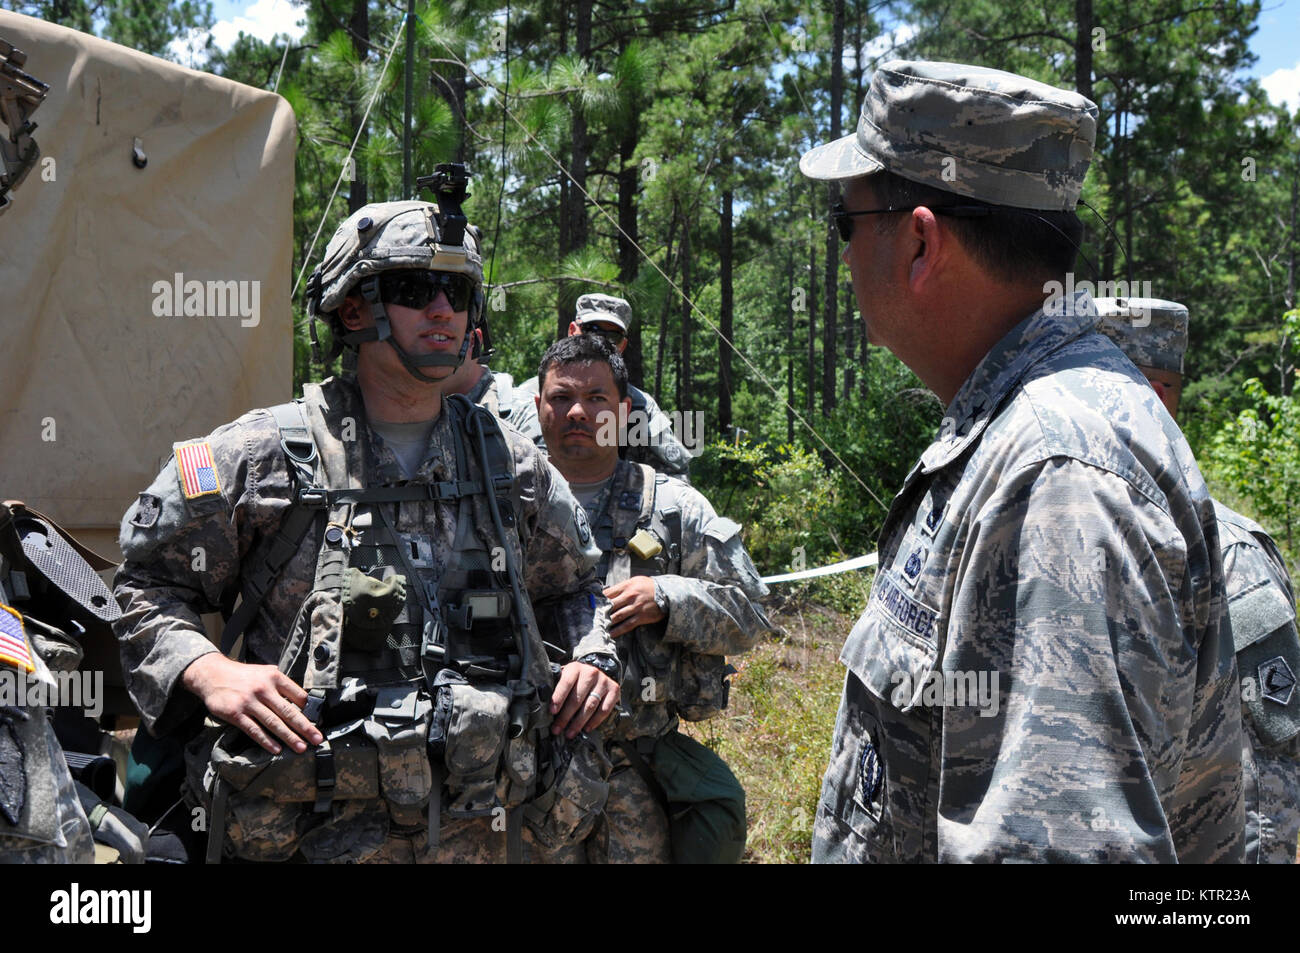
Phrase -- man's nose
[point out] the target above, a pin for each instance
(440, 305)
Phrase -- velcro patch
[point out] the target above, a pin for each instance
(147, 510)
(14, 647)
(197, 470)
(722, 529)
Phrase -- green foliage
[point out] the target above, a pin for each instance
(1257, 456)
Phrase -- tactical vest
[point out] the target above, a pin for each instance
(640, 534)
(427, 678)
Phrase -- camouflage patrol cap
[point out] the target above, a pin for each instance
(598, 307)
(1151, 332)
(387, 236)
(981, 133)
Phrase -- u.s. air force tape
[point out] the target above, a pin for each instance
(857, 562)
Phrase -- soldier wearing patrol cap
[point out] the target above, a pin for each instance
(393, 700)
(1040, 673)
(1261, 601)
(609, 317)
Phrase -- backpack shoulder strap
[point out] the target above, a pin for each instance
(264, 566)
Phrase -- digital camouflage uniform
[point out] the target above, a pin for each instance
(41, 818)
(1153, 333)
(662, 451)
(1042, 672)
(495, 391)
(1261, 607)
(1059, 537)
(709, 588)
(186, 555)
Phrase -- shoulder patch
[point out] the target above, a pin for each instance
(146, 512)
(581, 522)
(14, 647)
(197, 470)
(1276, 680)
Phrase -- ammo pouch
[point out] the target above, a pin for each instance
(573, 791)
(369, 607)
(470, 724)
(704, 686)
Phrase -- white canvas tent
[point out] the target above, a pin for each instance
(140, 306)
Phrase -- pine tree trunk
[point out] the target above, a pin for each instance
(1083, 47)
(684, 396)
(830, 345)
(725, 312)
(359, 27)
(627, 242)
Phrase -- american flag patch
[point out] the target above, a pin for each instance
(13, 640)
(198, 472)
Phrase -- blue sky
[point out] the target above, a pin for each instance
(1276, 42)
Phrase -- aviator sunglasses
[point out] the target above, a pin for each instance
(417, 289)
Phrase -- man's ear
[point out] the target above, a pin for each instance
(574, 328)
(351, 313)
(930, 248)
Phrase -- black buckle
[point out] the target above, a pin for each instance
(313, 496)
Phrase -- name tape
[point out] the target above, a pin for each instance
(857, 562)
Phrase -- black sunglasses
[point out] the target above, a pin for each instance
(843, 218)
(612, 335)
(417, 289)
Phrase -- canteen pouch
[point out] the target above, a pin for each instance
(400, 728)
(574, 790)
(704, 685)
(472, 721)
(370, 606)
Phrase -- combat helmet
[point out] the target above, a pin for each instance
(398, 236)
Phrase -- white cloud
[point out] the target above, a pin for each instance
(887, 42)
(262, 19)
(1283, 86)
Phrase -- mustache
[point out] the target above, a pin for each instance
(577, 428)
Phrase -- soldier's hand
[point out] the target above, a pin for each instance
(259, 700)
(583, 698)
(632, 603)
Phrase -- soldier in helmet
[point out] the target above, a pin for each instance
(653, 441)
(1261, 602)
(393, 700)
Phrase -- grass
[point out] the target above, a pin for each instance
(776, 731)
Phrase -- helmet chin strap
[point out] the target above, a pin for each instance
(382, 331)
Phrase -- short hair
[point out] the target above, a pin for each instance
(1012, 244)
(583, 349)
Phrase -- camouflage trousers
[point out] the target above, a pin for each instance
(360, 832)
(634, 828)
(1272, 789)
